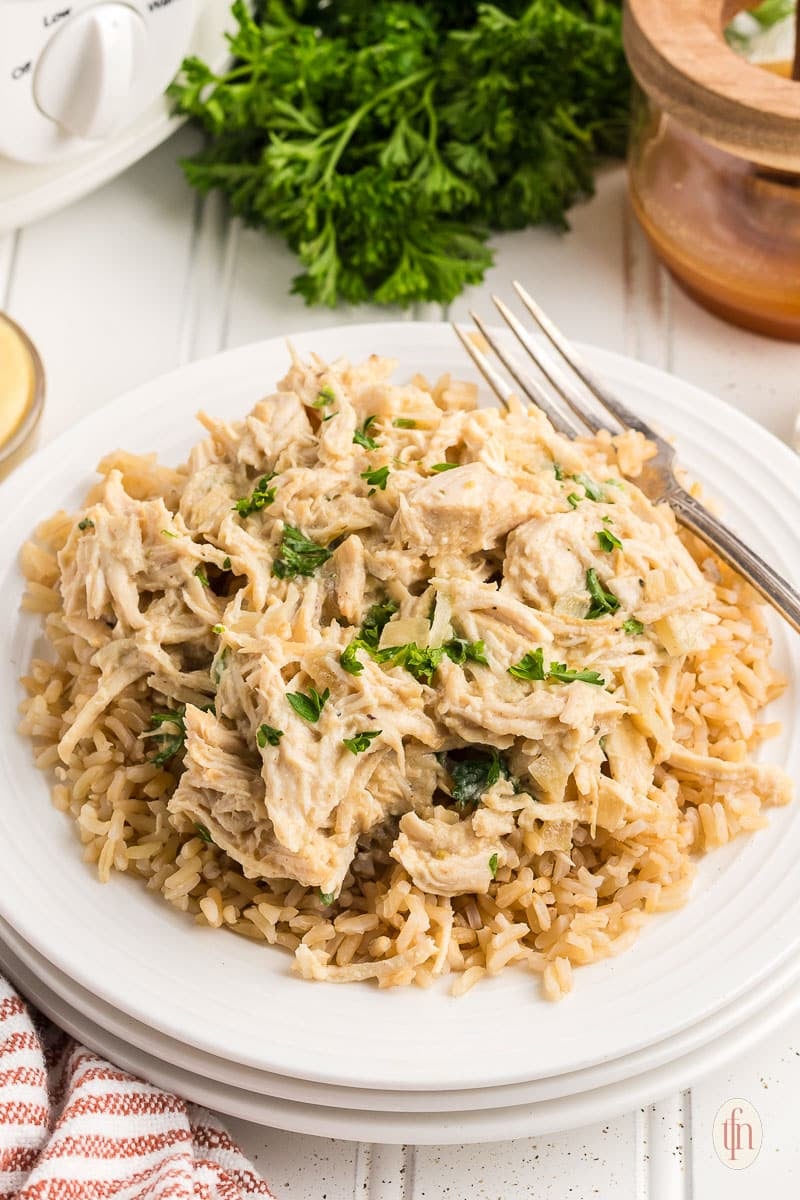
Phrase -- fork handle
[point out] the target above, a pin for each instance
(732, 550)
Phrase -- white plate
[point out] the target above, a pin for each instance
(555, 1087)
(237, 999)
(400, 1128)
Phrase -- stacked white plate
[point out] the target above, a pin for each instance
(223, 1021)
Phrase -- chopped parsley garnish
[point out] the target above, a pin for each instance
(632, 626)
(404, 423)
(376, 478)
(325, 397)
(226, 564)
(327, 898)
(298, 555)
(361, 438)
(574, 499)
(171, 740)
(361, 742)
(560, 672)
(200, 572)
(217, 628)
(87, 523)
(348, 658)
(268, 735)
(419, 661)
(531, 667)
(602, 601)
(461, 651)
(260, 497)
(593, 490)
(378, 615)
(608, 540)
(438, 467)
(309, 706)
(472, 771)
(166, 533)
(493, 866)
(203, 833)
(557, 471)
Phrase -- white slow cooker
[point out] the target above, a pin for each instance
(82, 90)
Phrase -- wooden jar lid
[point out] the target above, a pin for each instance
(678, 53)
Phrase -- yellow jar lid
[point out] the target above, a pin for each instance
(678, 53)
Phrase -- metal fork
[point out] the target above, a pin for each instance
(570, 397)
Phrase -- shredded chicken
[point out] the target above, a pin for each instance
(379, 612)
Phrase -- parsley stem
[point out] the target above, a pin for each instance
(349, 126)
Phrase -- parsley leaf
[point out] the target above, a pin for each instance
(268, 734)
(419, 661)
(473, 771)
(298, 555)
(530, 666)
(378, 615)
(445, 466)
(226, 563)
(348, 658)
(260, 498)
(593, 490)
(461, 651)
(200, 572)
(493, 866)
(557, 471)
(360, 437)
(309, 706)
(608, 540)
(602, 601)
(558, 671)
(376, 478)
(203, 834)
(218, 629)
(324, 398)
(171, 735)
(327, 898)
(86, 523)
(360, 743)
(632, 626)
(404, 423)
(574, 499)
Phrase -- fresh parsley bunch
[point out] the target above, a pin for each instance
(384, 140)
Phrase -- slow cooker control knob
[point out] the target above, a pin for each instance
(86, 74)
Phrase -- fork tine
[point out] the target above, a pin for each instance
(494, 380)
(561, 420)
(549, 365)
(611, 404)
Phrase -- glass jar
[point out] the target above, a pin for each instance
(728, 229)
(714, 163)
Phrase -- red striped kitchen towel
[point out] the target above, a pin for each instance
(74, 1127)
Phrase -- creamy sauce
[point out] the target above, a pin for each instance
(17, 379)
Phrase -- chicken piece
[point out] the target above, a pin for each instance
(222, 789)
(459, 511)
(548, 557)
(208, 498)
(446, 859)
(276, 435)
(772, 785)
(351, 579)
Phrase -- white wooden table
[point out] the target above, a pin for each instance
(141, 277)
